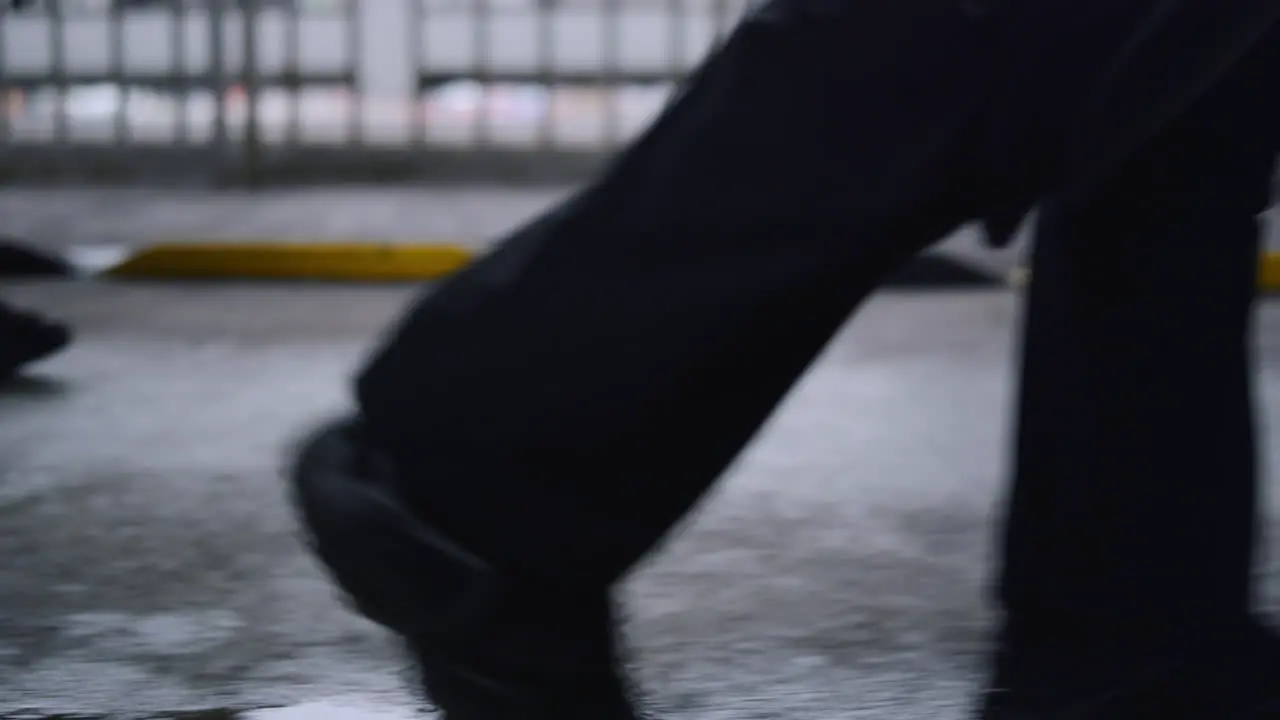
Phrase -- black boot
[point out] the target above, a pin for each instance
(26, 338)
(1231, 673)
(489, 645)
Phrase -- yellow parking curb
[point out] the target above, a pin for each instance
(1269, 272)
(374, 261)
(292, 260)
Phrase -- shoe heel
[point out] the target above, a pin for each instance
(396, 570)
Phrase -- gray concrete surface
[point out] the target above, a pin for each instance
(150, 564)
(61, 218)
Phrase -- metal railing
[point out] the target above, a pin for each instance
(255, 90)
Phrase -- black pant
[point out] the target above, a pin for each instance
(560, 404)
(1135, 494)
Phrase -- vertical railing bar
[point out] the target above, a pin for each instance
(7, 93)
(483, 19)
(292, 55)
(355, 53)
(180, 75)
(417, 54)
(546, 72)
(58, 48)
(251, 80)
(611, 70)
(218, 79)
(115, 50)
(677, 38)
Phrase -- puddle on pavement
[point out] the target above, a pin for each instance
(308, 711)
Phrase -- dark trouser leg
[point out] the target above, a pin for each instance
(1134, 498)
(560, 404)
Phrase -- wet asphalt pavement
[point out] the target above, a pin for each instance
(150, 566)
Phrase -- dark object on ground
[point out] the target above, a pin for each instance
(17, 259)
(26, 337)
